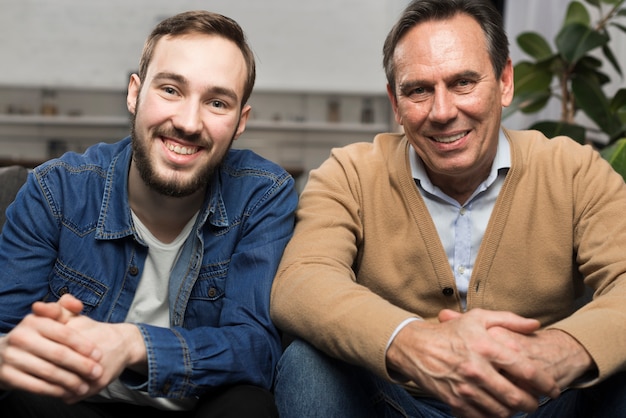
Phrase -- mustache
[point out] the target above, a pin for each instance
(172, 132)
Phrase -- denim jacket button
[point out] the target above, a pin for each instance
(212, 292)
(133, 270)
(63, 291)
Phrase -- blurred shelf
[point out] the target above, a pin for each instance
(267, 125)
(118, 121)
(64, 120)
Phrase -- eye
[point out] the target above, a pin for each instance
(217, 104)
(169, 90)
(464, 84)
(417, 93)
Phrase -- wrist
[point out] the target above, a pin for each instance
(135, 347)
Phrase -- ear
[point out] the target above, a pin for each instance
(243, 119)
(393, 99)
(507, 85)
(134, 86)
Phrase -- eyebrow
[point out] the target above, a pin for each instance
(183, 80)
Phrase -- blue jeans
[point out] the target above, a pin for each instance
(311, 384)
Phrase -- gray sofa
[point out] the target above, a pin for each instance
(11, 179)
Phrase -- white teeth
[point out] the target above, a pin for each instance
(448, 139)
(181, 150)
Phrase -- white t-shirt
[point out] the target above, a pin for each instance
(151, 306)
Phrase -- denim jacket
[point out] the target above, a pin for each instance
(70, 230)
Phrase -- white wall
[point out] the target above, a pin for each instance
(332, 45)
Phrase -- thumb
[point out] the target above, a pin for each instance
(448, 315)
(70, 303)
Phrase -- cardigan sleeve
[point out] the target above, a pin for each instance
(600, 253)
(316, 295)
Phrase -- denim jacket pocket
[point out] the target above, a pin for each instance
(207, 296)
(66, 280)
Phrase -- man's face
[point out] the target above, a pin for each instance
(187, 111)
(448, 99)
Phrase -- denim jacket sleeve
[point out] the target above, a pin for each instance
(27, 254)
(240, 258)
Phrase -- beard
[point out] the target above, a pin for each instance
(177, 185)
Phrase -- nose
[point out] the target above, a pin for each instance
(443, 107)
(188, 117)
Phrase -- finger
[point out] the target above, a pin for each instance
(22, 381)
(507, 320)
(71, 303)
(448, 315)
(66, 308)
(53, 340)
(490, 319)
(525, 374)
(28, 372)
(517, 397)
(48, 310)
(487, 390)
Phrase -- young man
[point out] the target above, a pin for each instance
(148, 263)
(435, 273)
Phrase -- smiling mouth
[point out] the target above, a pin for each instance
(181, 149)
(448, 139)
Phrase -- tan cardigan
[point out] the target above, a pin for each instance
(366, 255)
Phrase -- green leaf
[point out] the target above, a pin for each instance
(531, 102)
(608, 53)
(618, 101)
(574, 41)
(529, 77)
(577, 13)
(616, 156)
(591, 99)
(590, 62)
(552, 129)
(587, 67)
(534, 45)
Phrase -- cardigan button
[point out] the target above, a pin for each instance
(133, 270)
(448, 291)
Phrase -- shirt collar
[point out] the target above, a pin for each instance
(502, 161)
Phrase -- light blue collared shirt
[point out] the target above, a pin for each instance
(461, 227)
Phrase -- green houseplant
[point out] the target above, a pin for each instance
(573, 74)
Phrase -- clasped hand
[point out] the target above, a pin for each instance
(55, 351)
(486, 363)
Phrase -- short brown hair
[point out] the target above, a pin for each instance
(202, 22)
